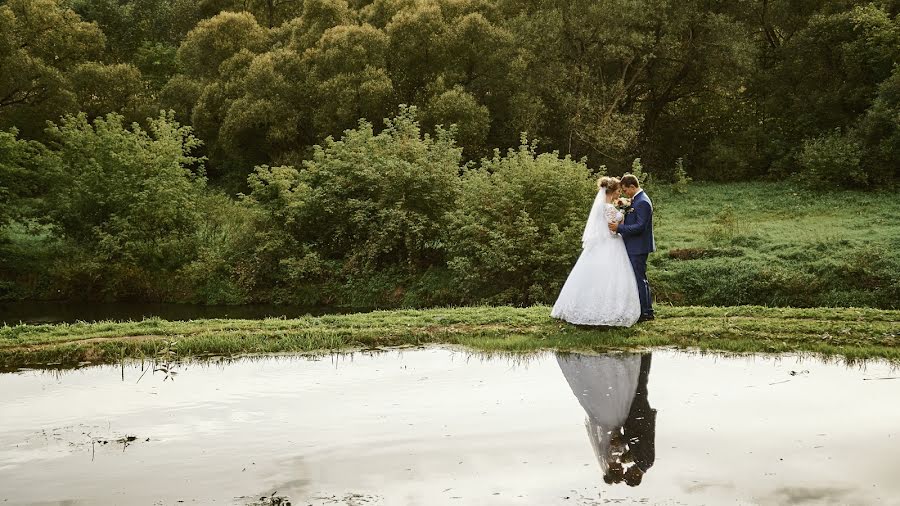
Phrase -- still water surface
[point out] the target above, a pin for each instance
(436, 426)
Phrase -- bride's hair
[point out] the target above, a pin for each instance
(610, 183)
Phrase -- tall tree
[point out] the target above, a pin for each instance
(41, 42)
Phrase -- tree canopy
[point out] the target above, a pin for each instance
(737, 90)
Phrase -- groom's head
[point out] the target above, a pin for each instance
(630, 185)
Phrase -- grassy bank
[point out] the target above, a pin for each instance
(776, 244)
(849, 333)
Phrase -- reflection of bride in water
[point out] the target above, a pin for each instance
(621, 426)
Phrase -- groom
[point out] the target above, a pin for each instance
(637, 231)
(640, 429)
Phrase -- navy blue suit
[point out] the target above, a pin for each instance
(637, 231)
(640, 427)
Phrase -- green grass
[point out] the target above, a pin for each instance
(776, 244)
(849, 333)
(735, 244)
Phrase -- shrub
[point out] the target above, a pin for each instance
(516, 232)
(726, 227)
(224, 245)
(646, 180)
(125, 200)
(682, 181)
(725, 281)
(20, 176)
(832, 159)
(364, 203)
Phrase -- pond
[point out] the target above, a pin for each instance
(436, 426)
(35, 312)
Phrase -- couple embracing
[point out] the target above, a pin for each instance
(608, 285)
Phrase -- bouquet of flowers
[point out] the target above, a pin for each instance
(622, 204)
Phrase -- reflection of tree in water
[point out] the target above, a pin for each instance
(620, 423)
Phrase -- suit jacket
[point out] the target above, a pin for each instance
(637, 229)
(640, 427)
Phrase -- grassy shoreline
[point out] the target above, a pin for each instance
(845, 332)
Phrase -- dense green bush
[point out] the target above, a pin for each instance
(834, 276)
(21, 178)
(124, 199)
(879, 131)
(221, 271)
(832, 160)
(364, 203)
(516, 230)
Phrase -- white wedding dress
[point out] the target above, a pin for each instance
(601, 289)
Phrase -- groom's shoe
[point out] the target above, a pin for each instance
(646, 317)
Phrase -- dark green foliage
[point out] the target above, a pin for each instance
(123, 199)
(342, 208)
(21, 177)
(879, 133)
(821, 81)
(220, 272)
(41, 42)
(832, 160)
(742, 89)
(101, 89)
(516, 229)
(365, 203)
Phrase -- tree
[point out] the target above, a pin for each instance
(824, 77)
(317, 16)
(271, 114)
(129, 24)
(274, 12)
(605, 77)
(215, 40)
(448, 51)
(101, 89)
(41, 42)
(212, 60)
(879, 133)
(458, 108)
(348, 78)
(272, 106)
(693, 84)
(379, 13)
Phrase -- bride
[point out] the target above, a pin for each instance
(601, 289)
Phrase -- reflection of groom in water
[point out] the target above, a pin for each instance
(621, 425)
(640, 429)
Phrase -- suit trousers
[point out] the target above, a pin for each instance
(639, 264)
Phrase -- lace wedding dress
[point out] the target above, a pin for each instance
(601, 289)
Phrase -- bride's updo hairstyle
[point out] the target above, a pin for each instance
(610, 183)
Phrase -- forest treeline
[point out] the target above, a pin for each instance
(739, 89)
(416, 152)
